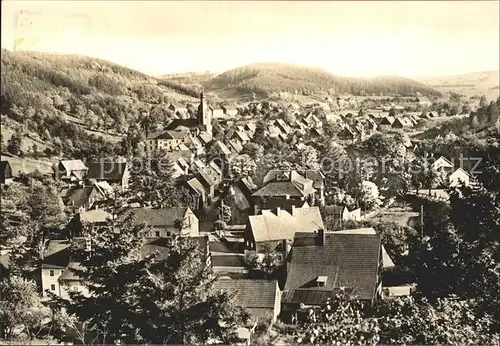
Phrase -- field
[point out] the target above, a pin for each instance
(28, 165)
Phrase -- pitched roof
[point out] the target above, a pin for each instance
(287, 183)
(280, 224)
(221, 148)
(196, 185)
(232, 260)
(58, 254)
(388, 120)
(107, 170)
(210, 176)
(250, 293)
(77, 196)
(386, 259)
(315, 175)
(347, 260)
(73, 165)
(236, 145)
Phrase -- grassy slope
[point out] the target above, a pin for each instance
(265, 78)
(67, 86)
(470, 84)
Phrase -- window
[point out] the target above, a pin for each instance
(157, 233)
(52, 287)
(168, 234)
(51, 272)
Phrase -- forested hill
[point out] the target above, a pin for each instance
(61, 97)
(266, 78)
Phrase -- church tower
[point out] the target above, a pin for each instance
(204, 116)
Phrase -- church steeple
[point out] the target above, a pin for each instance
(204, 116)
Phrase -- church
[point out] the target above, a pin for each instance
(182, 132)
(201, 125)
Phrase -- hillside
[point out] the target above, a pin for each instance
(266, 78)
(470, 84)
(79, 104)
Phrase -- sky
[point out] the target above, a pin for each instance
(356, 38)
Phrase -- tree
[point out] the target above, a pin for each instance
(153, 183)
(21, 306)
(447, 322)
(242, 166)
(341, 320)
(253, 150)
(14, 143)
(268, 261)
(141, 296)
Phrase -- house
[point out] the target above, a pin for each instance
(459, 177)
(229, 111)
(342, 213)
(346, 134)
(71, 171)
(386, 123)
(317, 177)
(282, 126)
(261, 298)
(79, 199)
(433, 114)
(95, 218)
(442, 164)
(200, 125)
(277, 228)
(284, 190)
(5, 173)
(235, 146)
(164, 222)
(221, 149)
(230, 264)
(113, 172)
(399, 123)
(210, 179)
(56, 269)
(165, 140)
(239, 204)
(322, 263)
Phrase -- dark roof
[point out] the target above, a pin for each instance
(311, 296)
(106, 170)
(78, 197)
(350, 260)
(177, 123)
(250, 293)
(58, 254)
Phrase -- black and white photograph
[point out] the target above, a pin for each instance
(250, 172)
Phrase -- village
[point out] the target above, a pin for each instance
(248, 216)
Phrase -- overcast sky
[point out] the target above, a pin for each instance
(355, 38)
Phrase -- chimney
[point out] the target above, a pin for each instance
(320, 237)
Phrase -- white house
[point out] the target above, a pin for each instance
(442, 164)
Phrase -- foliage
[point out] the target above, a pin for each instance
(21, 307)
(152, 183)
(266, 78)
(242, 166)
(14, 143)
(368, 195)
